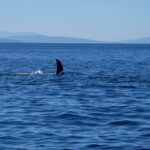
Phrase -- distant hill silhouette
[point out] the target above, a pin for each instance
(32, 37)
(6, 37)
(8, 41)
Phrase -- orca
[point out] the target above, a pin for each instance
(59, 70)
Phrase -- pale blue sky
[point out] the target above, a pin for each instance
(106, 20)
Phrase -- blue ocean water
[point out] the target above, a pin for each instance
(102, 102)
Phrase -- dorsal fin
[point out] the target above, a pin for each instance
(59, 67)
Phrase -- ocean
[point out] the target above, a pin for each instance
(102, 102)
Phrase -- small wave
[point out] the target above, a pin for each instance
(146, 135)
(116, 86)
(69, 116)
(124, 122)
(93, 146)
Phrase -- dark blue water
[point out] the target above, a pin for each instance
(101, 102)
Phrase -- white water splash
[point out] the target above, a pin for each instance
(37, 72)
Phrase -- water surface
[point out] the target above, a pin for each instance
(101, 102)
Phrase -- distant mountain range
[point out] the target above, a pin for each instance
(25, 37)
(22, 37)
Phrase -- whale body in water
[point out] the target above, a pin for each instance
(59, 70)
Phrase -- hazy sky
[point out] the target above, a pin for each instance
(106, 20)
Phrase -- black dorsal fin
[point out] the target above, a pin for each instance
(59, 67)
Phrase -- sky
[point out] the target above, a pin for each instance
(104, 20)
